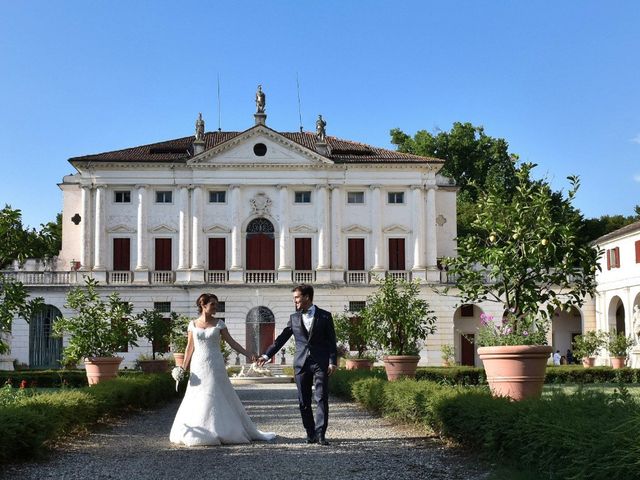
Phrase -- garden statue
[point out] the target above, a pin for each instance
(260, 100)
(320, 129)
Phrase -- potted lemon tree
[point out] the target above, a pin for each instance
(98, 331)
(525, 252)
(178, 336)
(619, 345)
(398, 322)
(352, 335)
(157, 330)
(588, 345)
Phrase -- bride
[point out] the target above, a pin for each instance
(211, 412)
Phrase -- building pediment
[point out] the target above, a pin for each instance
(120, 229)
(259, 146)
(217, 229)
(356, 229)
(303, 229)
(395, 228)
(163, 229)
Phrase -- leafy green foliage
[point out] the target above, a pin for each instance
(524, 330)
(397, 319)
(619, 344)
(352, 333)
(596, 227)
(100, 328)
(589, 344)
(526, 252)
(179, 327)
(155, 329)
(14, 302)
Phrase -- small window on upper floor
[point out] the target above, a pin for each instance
(355, 197)
(395, 198)
(221, 307)
(164, 196)
(613, 258)
(122, 196)
(303, 197)
(218, 196)
(357, 306)
(162, 307)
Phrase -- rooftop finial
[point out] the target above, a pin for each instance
(261, 100)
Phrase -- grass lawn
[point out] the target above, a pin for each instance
(633, 388)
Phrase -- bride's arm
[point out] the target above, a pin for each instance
(188, 351)
(232, 343)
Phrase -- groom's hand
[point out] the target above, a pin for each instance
(261, 361)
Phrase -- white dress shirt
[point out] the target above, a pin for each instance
(307, 317)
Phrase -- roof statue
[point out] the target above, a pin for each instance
(199, 128)
(321, 133)
(261, 100)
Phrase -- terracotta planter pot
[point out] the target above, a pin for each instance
(400, 366)
(179, 358)
(100, 369)
(154, 366)
(358, 364)
(588, 362)
(618, 362)
(515, 371)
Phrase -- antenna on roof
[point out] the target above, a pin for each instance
(219, 122)
(299, 107)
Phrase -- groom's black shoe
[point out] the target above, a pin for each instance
(322, 440)
(313, 439)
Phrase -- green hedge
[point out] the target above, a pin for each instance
(26, 426)
(586, 435)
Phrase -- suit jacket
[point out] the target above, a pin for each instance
(319, 343)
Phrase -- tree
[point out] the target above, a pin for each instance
(596, 227)
(526, 251)
(14, 302)
(473, 159)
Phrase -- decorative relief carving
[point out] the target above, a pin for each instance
(303, 229)
(163, 229)
(261, 204)
(356, 229)
(217, 229)
(395, 228)
(441, 220)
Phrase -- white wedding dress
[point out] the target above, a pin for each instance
(211, 412)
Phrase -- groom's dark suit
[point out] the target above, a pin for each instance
(315, 350)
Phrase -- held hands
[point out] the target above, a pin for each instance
(260, 361)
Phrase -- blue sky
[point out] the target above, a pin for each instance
(560, 81)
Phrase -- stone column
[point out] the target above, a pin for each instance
(376, 230)
(99, 266)
(418, 270)
(337, 204)
(235, 270)
(324, 234)
(141, 273)
(197, 262)
(183, 225)
(284, 264)
(85, 242)
(433, 274)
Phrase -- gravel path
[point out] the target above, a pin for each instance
(362, 447)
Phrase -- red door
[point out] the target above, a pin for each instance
(260, 251)
(217, 254)
(121, 254)
(303, 254)
(163, 254)
(267, 337)
(396, 254)
(356, 253)
(468, 349)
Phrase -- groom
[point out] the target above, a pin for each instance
(315, 359)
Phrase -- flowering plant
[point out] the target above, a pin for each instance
(525, 330)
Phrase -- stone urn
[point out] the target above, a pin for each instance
(400, 366)
(100, 369)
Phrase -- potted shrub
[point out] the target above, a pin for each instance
(178, 336)
(157, 330)
(351, 334)
(619, 345)
(398, 321)
(588, 345)
(525, 251)
(99, 329)
(448, 354)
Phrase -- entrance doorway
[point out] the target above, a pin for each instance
(468, 349)
(45, 351)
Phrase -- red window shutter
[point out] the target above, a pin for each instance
(121, 254)
(396, 254)
(608, 255)
(356, 253)
(637, 251)
(217, 254)
(267, 253)
(303, 254)
(163, 254)
(617, 250)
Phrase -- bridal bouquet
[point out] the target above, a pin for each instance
(177, 373)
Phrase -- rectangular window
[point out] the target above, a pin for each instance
(162, 307)
(217, 196)
(637, 251)
(163, 254)
(396, 254)
(613, 258)
(466, 310)
(303, 197)
(356, 306)
(395, 197)
(164, 196)
(355, 197)
(121, 254)
(221, 307)
(122, 196)
(217, 254)
(303, 253)
(355, 247)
